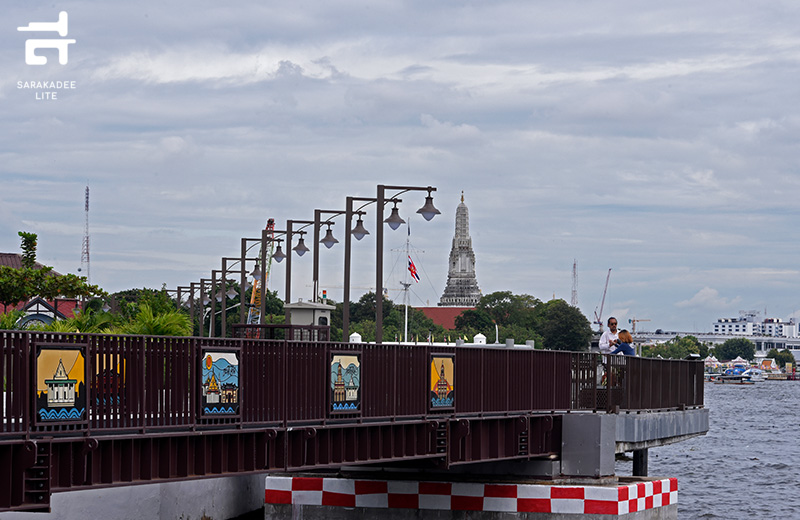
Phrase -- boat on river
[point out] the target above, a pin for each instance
(754, 374)
(733, 380)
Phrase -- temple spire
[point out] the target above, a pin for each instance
(462, 285)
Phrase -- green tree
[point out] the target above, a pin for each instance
(506, 308)
(562, 326)
(734, 347)
(518, 333)
(419, 325)
(89, 321)
(169, 323)
(676, 348)
(364, 308)
(126, 303)
(9, 319)
(475, 319)
(32, 279)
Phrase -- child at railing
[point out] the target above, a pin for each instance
(624, 345)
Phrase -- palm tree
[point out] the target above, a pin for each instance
(170, 323)
(8, 321)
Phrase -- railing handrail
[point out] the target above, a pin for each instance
(154, 383)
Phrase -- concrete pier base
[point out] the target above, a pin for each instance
(314, 497)
(205, 499)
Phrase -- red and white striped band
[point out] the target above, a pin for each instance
(464, 496)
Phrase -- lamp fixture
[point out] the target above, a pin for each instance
(428, 211)
(329, 241)
(278, 255)
(394, 219)
(359, 231)
(301, 247)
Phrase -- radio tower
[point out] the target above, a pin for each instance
(574, 301)
(85, 250)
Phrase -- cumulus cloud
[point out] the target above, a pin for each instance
(445, 132)
(659, 140)
(708, 298)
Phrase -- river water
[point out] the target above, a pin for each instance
(748, 465)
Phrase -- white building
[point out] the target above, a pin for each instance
(734, 326)
(749, 324)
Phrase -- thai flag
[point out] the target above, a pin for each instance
(413, 269)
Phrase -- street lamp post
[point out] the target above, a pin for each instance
(329, 239)
(183, 289)
(213, 296)
(359, 232)
(260, 274)
(191, 302)
(428, 211)
(203, 304)
(242, 288)
(300, 249)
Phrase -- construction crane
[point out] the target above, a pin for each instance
(598, 317)
(633, 322)
(254, 313)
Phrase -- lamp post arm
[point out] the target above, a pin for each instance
(348, 241)
(379, 251)
(289, 233)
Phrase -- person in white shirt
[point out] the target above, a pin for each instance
(610, 337)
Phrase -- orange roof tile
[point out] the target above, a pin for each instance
(444, 316)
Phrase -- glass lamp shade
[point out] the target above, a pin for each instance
(329, 239)
(394, 219)
(301, 248)
(231, 293)
(428, 211)
(206, 300)
(359, 231)
(106, 307)
(218, 297)
(278, 255)
(256, 273)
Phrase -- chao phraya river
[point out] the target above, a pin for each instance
(748, 465)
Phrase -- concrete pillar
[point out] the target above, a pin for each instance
(640, 463)
(588, 445)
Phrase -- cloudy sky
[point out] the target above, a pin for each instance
(655, 139)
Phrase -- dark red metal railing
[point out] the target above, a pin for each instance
(141, 411)
(152, 383)
(281, 331)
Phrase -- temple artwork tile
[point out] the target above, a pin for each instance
(345, 383)
(220, 383)
(442, 382)
(60, 384)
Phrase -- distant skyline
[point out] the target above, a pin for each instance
(658, 140)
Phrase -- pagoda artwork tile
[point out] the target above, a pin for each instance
(60, 384)
(442, 382)
(345, 383)
(220, 383)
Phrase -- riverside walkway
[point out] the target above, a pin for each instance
(90, 410)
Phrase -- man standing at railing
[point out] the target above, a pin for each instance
(610, 337)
